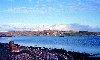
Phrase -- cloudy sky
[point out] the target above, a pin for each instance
(84, 12)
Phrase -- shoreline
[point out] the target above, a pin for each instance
(12, 51)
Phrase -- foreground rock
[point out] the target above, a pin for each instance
(13, 51)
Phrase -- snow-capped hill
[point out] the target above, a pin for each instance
(41, 27)
(5, 28)
(61, 27)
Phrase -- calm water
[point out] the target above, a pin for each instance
(88, 44)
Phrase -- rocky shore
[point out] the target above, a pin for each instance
(11, 51)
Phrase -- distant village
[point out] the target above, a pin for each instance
(48, 33)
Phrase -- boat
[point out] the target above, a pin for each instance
(61, 36)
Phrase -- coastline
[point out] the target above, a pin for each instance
(10, 51)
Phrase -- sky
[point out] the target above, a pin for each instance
(83, 12)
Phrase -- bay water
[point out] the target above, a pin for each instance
(87, 44)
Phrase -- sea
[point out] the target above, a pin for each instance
(82, 44)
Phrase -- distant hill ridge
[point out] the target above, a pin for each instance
(60, 27)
